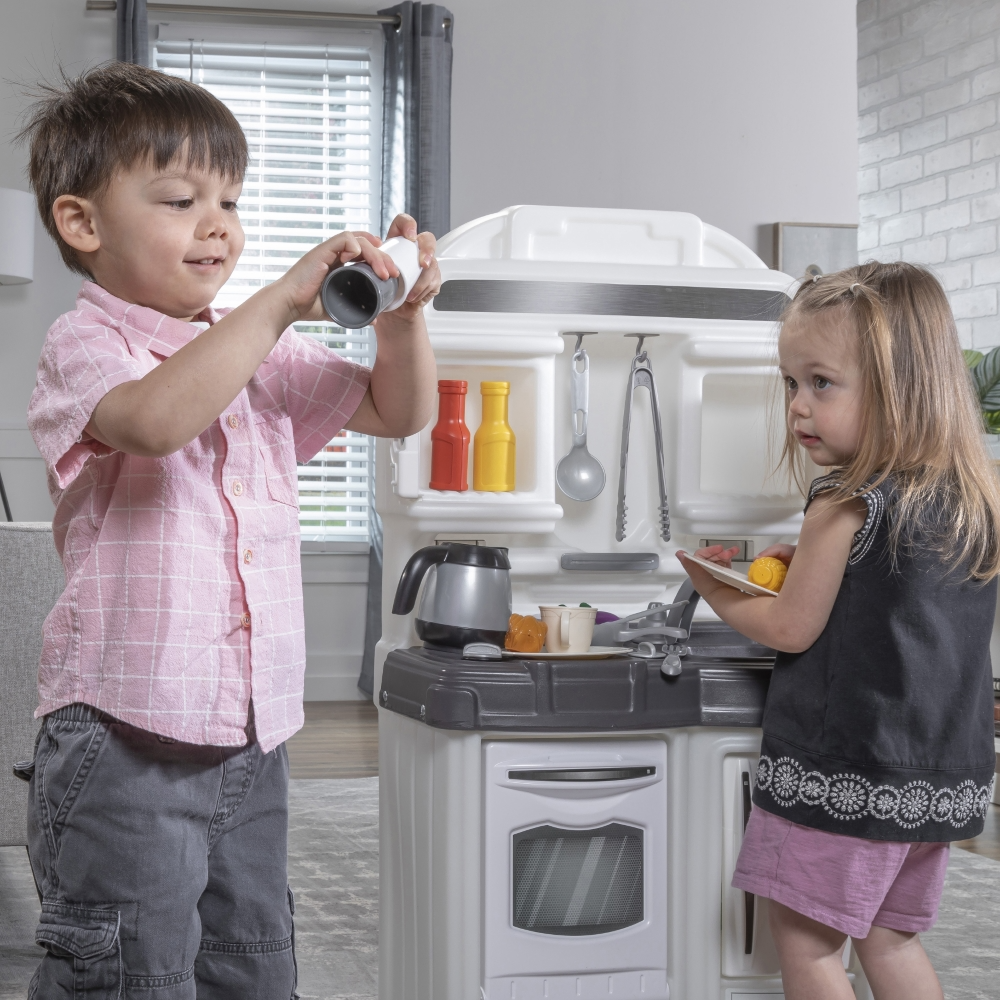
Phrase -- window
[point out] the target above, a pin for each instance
(310, 104)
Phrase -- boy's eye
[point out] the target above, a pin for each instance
(230, 206)
(181, 203)
(822, 383)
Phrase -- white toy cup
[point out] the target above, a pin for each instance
(570, 630)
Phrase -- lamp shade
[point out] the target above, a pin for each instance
(17, 237)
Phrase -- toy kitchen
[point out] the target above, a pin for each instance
(565, 824)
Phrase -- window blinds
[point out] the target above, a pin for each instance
(314, 135)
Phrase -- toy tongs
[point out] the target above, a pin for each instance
(642, 374)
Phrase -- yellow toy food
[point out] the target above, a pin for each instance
(767, 572)
(525, 634)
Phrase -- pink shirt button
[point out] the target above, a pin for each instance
(245, 620)
(248, 555)
(233, 421)
(237, 488)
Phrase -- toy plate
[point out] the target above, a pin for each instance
(732, 578)
(594, 653)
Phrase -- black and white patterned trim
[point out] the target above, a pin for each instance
(874, 501)
(850, 796)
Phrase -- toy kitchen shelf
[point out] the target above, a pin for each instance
(517, 286)
(531, 509)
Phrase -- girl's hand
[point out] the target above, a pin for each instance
(703, 581)
(716, 554)
(779, 551)
(301, 283)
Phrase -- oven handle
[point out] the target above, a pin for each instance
(581, 774)
(749, 903)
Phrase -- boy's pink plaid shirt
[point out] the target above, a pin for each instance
(184, 587)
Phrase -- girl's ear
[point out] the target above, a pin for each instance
(74, 218)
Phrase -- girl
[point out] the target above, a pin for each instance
(878, 736)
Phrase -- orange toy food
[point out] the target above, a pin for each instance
(767, 572)
(525, 634)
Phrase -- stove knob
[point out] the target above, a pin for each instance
(671, 665)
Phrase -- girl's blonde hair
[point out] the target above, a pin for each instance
(920, 417)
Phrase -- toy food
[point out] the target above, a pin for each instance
(525, 634)
(767, 572)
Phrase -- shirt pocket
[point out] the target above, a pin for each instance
(282, 487)
(277, 451)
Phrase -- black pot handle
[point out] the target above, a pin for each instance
(413, 573)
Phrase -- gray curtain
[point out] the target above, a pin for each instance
(373, 610)
(416, 122)
(133, 33)
(416, 178)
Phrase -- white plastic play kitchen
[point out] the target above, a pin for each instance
(557, 826)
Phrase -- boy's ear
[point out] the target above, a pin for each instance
(74, 218)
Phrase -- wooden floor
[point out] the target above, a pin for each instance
(988, 842)
(340, 740)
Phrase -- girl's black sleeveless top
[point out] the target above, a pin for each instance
(883, 728)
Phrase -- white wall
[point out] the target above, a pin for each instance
(743, 113)
(37, 38)
(335, 588)
(929, 80)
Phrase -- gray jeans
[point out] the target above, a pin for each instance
(161, 866)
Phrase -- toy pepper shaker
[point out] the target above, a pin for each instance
(450, 438)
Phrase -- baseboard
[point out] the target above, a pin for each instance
(333, 689)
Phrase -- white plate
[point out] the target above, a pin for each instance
(594, 653)
(732, 578)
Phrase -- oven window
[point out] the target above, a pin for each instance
(578, 881)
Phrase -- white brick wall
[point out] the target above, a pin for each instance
(929, 146)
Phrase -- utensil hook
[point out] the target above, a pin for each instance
(640, 337)
(579, 334)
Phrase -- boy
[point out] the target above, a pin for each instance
(172, 665)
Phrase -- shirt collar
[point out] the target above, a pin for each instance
(141, 326)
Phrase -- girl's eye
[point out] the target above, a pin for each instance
(791, 384)
(181, 203)
(822, 383)
(230, 206)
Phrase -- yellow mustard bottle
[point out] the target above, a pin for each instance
(493, 455)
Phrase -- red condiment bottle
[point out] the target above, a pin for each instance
(450, 438)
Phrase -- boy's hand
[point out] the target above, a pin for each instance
(304, 279)
(429, 282)
(403, 388)
(301, 283)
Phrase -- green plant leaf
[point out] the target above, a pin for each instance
(991, 418)
(972, 358)
(986, 375)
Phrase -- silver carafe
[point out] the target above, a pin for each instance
(466, 598)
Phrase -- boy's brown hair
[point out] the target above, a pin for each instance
(114, 116)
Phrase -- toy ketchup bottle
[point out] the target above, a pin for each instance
(494, 454)
(450, 438)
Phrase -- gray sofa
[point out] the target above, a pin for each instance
(31, 579)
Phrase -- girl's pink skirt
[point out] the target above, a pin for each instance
(843, 882)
